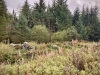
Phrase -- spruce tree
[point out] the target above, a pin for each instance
(78, 23)
(52, 12)
(76, 16)
(49, 18)
(21, 32)
(83, 15)
(40, 7)
(63, 15)
(3, 8)
(26, 10)
(94, 24)
(11, 21)
(38, 13)
(3, 19)
(91, 22)
(81, 29)
(87, 17)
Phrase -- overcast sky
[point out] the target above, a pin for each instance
(72, 4)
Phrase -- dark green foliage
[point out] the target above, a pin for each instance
(3, 31)
(38, 14)
(81, 29)
(21, 32)
(26, 10)
(38, 18)
(91, 21)
(53, 20)
(83, 15)
(56, 17)
(3, 21)
(76, 16)
(62, 15)
(11, 23)
(78, 23)
(50, 19)
(40, 6)
(3, 9)
(94, 24)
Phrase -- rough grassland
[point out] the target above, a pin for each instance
(56, 59)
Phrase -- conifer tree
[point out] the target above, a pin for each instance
(3, 19)
(49, 17)
(83, 15)
(38, 13)
(63, 15)
(94, 24)
(87, 17)
(26, 10)
(21, 32)
(91, 22)
(81, 29)
(76, 16)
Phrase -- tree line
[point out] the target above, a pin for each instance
(57, 18)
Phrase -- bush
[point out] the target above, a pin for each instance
(5, 52)
(40, 34)
(59, 36)
(65, 35)
(71, 33)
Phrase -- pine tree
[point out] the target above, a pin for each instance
(21, 32)
(87, 17)
(83, 15)
(52, 15)
(76, 16)
(78, 23)
(49, 17)
(63, 15)
(40, 7)
(3, 19)
(91, 22)
(11, 20)
(38, 13)
(81, 29)
(3, 9)
(3, 31)
(26, 10)
(94, 24)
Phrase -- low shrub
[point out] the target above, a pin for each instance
(59, 36)
(40, 34)
(71, 33)
(5, 51)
